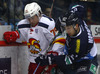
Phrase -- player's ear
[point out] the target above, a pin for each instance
(76, 26)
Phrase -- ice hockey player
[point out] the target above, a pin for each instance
(81, 52)
(37, 30)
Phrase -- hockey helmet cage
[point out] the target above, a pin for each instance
(32, 9)
(60, 24)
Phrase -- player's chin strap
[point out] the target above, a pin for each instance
(39, 16)
(76, 31)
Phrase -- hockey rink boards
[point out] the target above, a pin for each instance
(16, 55)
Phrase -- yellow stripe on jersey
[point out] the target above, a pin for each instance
(77, 45)
(61, 41)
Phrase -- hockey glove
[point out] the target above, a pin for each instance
(45, 60)
(51, 57)
(42, 60)
(11, 36)
(62, 60)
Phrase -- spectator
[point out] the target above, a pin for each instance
(2, 22)
(47, 11)
(89, 20)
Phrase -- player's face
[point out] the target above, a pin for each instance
(70, 30)
(33, 20)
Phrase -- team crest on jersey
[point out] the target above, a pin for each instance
(34, 46)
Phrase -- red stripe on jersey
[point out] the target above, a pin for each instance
(60, 40)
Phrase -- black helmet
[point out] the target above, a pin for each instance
(71, 19)
(79, 10)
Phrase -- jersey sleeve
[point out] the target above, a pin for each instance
(59, 44)
(22, 27)
(48, 34)
(48, 23)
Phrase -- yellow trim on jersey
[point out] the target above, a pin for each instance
(59, 43)
(77, 45)
(59, 39)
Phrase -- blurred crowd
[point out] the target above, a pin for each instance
(11, 11)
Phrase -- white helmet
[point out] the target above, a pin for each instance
(32, 9)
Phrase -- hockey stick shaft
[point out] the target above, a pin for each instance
(36, 68)
(50, 15)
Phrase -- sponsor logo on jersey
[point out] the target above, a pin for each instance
(82, 69)
(93, 68)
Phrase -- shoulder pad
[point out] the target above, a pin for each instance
(43, 25)
(23, 24)
(49, 22)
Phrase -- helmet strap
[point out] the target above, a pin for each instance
(39, 15)
(76, 31)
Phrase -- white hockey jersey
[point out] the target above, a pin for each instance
(39, 37)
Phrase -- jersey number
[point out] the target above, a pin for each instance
(53, 31)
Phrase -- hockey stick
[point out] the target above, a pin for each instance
(51, 8)
(36, 68)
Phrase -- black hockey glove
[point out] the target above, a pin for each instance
(45, 60)
(42, 60)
